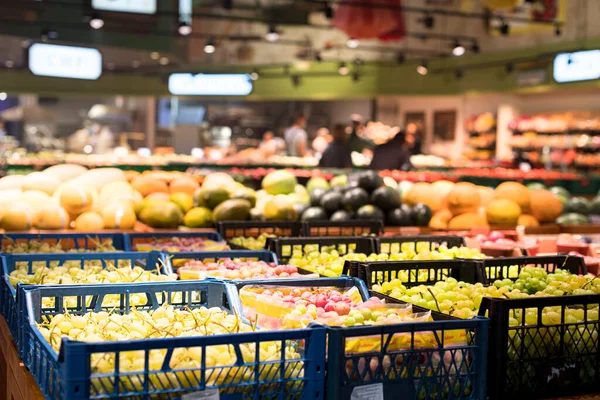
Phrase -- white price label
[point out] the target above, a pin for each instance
(368, 392)
(130, 6)
(210, 84)
(65, 61)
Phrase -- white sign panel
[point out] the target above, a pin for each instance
(210, 84)
(578, 66)
(130, 6)
(65, 61)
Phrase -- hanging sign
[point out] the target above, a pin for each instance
(578, 66)
(65, 61)
(130, 6)
(183, 84)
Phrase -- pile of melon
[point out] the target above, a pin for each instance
(73, 197)
(465, 205)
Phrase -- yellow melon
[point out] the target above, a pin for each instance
(467, 221)
(440, 219)
(66, 172)
(463, 198)
(486, 194)
(147, 185)
(76, 199)
(184, 184)
(442, 188)
(545, 206)
(100, 177)
(11, 182)
(118, 216)
(89, 221)
(528, 220)
(41, 181)
(52, 216)
(18, 217)
(8, 196)
(131, 175)
(36, 199)
(503, 212)
(516, 192)
(422, 192)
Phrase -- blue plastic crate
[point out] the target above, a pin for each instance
(176, 259)
(8, 307)
(69, 241)
(69, 374)
(442, 371)
(131, 239)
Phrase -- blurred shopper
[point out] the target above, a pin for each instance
(357, 141)
(270, 145)
(320, 143)
(296, 138)
(337, 154)
(413, 138)
(392, 155)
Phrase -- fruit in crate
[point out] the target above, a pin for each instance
(253, 243)
(236, 269)
(219, 361)
(38, 246)
(70, 272)
(176, 244)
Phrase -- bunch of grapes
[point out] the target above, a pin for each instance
(536, 281)
(185, 364)
(253, 243)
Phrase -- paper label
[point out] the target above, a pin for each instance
(368, 392)
(208, 394)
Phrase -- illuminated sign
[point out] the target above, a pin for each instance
(210, 84)
(578, 66)
(130, 6)
(65, 61)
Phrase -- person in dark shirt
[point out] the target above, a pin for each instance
(391, 155)
(337, 153)
(357, 141)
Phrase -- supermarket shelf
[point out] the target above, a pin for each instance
(591, 132)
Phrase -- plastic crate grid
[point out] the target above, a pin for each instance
(71, 374)
(398, 244)
(232, 229)
(285, 247)
(134, 239)
(67, 241)
(510, 267)
(344, 228)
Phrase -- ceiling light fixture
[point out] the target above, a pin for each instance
(272, 35)
(3, 96)
(355, 77)
(343, 69)
(353, 43)
(9, 63)
(557, 29)
(459, 74)
(295, 80)
(401, 58)
(254, 75)
(48, 34)
(475, 47)
(163, 61)
(458, 49)
(155, 55)
(422, 68)
(504, 28)
(96, 22)
(318, 57)
(428, 21)
(510, 67)
(210, 47)
(184, 28)
(328, 11)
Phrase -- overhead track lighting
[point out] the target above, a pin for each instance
(343, 69)
(428, 21)
(272, 35)
(557, 30)
(459, 74)
(48, 34)
(458, 49)
(355, 77)
(295, 80)
(510, 68)
(401, 58)
(328, 11)
(352, 43)
(184, 28)
(422, 68)
(318, 57)
(96, 22)
(210, 47)
(475, 47)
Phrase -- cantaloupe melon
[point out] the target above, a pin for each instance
(528, 220)
(503, 212)
(89, 221)
(41, 181)
(118, 216)
(184, 184)
(422, 192)
(52, 216)
(463, 198)
(516, 192)
(486, 194)
(76, 199)
(545, 206)
(11, 182)
(147, 185)
(467, 221)
(18, 217)
(36, 199)
(66, 172)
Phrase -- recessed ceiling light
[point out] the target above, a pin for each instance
(155, 55)
(163, 61)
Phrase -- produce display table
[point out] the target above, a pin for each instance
(16, 383)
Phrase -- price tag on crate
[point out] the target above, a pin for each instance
(208, 394)
(368, 392)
